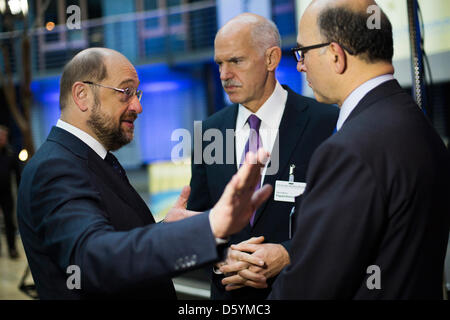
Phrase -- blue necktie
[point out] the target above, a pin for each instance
(112, 160)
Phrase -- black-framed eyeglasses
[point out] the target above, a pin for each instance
(129, 92)
(299, 52)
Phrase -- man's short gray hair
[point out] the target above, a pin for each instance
(264, 32)
(265, 35)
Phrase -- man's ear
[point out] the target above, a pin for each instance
(338, 57)
(81, 95)
(273, 57)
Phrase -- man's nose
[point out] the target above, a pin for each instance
(135, 105)
(225, 73)
(301, 67)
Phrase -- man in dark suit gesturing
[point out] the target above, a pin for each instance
(374, 219)
(247, 51)
(79, 215)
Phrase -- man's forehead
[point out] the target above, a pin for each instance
(122, 72)
(307, 30)
(225, 53)
(229, 47)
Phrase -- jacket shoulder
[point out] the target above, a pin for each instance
(217, 118)
(312, 106)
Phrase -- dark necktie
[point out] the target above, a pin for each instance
(253, 144)
(112, 160)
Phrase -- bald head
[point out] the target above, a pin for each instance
(346, 22)
(262, 32)
(88, 65)
(354, 5)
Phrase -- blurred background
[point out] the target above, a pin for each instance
(171, 43)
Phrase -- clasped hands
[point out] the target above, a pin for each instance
(251, 263)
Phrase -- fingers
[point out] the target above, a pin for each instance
(254, 280)
(232, 188)
(233, 267)
(183, 198)
(247, 247)
(250, 278)
(263, 156)
(230, 287)
(238, 261)
(251, 169)
(235, 207)
(254, 240)
(261, 195)
(245, 257)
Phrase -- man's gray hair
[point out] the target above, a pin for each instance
(265, 35)
(264, 32)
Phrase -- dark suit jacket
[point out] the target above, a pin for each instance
(74, 209)
(377, 194)
(304, 125)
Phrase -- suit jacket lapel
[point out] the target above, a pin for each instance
(107, 174)
(290, 133)
(120, 187)
(229, 168)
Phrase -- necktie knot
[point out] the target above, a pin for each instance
(112, 160)
(254, 122)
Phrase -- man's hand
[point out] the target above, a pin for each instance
(238, 260)
(239, 200)
(275, 257)
(178, 211)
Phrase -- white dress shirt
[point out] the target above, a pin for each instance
(83, 136)
(270, 115)
(356, 96)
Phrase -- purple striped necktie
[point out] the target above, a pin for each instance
(254, 142)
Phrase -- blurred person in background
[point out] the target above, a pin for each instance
(9, 165)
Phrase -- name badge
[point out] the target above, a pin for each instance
(287, 191)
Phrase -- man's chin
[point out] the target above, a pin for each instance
(234, 98)
(322, 99)
(128, 137)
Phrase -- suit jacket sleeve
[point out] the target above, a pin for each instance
(337, 228)
(69, 216)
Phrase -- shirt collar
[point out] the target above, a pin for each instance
(356, 96)
(269, 113)
(83, 136)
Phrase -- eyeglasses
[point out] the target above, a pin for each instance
(299, 52)
(129, 92)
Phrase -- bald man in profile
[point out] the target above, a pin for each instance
(247, 50)
(86, 231)
(374, 221)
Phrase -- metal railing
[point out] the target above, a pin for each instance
(163, 34)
